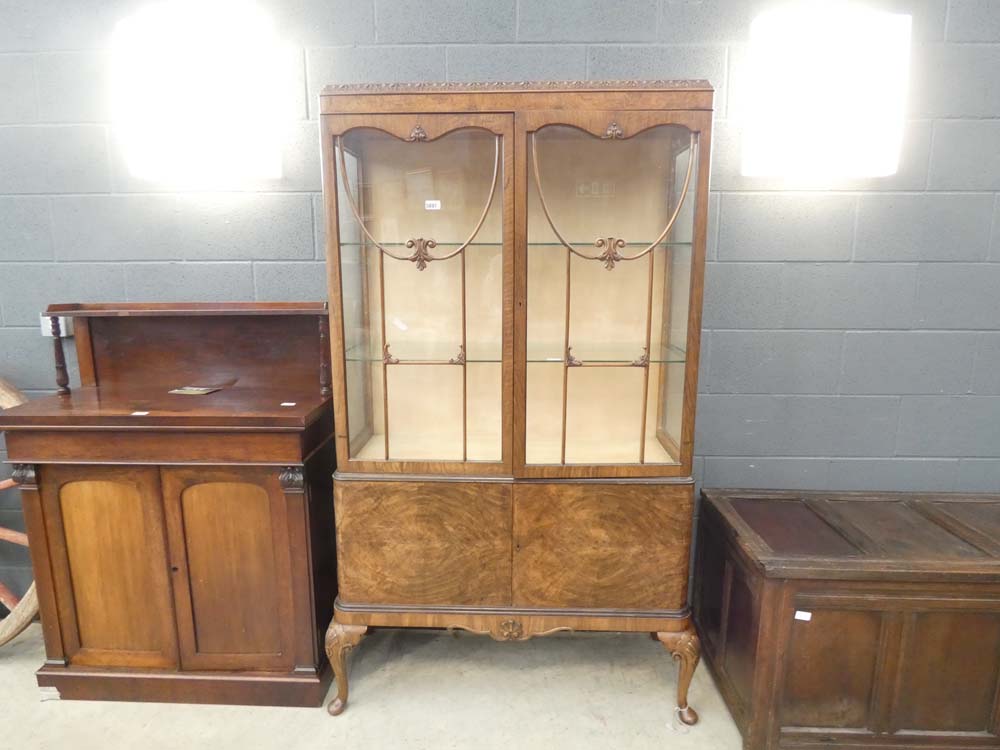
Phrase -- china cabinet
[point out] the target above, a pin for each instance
(177, 503)
(515, 276)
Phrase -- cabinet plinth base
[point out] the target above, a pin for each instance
(305, 689)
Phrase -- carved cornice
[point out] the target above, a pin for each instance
(457, 86)
(24, 475)
(292, 479)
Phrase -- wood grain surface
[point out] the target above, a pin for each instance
(601, 545)
(424, 542)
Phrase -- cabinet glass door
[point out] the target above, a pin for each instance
(421, 206)
(611, 216)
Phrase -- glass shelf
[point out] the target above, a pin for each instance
(538, 353)
(444, 246)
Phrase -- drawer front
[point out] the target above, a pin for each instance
(602, 546)
(430, 543)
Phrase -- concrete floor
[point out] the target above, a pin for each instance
(409, 689)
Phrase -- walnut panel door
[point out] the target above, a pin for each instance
(229, 548)
(601, 546)
(435, 543)
(109, 565)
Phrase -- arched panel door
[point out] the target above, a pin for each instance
(419, 232)
(231, 562)
(611, 266)
(109, 565)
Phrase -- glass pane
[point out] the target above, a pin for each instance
(422, 274)
(603, 415)
(425, 412)
(607, 283)
(485, 417)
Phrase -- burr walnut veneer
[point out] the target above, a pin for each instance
(853, 620)
(515, 275)
(181, 544)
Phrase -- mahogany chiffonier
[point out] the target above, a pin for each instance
(852, 619)
(515, 275)
(182, 542)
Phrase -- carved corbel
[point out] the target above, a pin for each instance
(292, 480)
(24, 475)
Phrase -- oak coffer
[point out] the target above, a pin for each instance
(853, 619)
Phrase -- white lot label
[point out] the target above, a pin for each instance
(288, 403)
(432, 205)
(140, 413)
(803, 615)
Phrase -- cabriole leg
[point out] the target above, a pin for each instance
(340, 639)
(686, 650)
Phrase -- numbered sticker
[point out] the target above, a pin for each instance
(434, 205)
(801, 614)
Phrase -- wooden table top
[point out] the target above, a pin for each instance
(232, 407)
(862, 535)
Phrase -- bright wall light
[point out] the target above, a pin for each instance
(825, 91)
(199, 92)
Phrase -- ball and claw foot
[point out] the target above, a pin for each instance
(687, 715)
(340, 639)
(686, 651)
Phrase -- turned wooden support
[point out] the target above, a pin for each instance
(340, 639)
(686, 650)
(324, 356)
(62, 375)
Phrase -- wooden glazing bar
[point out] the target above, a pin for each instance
(462, 354)
(566, 351)
(645, 375)
(385, 348)
(661, 397)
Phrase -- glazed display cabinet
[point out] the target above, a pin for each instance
(515, 280)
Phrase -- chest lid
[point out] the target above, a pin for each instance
(863, 535)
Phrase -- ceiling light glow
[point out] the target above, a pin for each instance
(825, 91)
(200, 92)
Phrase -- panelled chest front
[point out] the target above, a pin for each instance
(853, 619)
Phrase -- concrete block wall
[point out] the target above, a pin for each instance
(850, 329)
